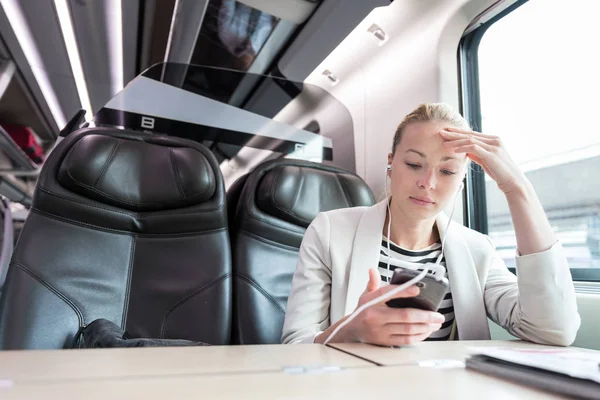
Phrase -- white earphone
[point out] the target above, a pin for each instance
(437, 269)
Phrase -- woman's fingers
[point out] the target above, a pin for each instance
(410, 329)
(476, 149)
(411, 291)
(397, 326)
(412, 315)
(477, 160)
(478, 154)
(407, 340)
(374, 281)
(490, 139)
(466, 142)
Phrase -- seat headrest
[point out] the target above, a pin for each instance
(137, 175)
(297, 194)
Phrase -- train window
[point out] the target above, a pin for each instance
(531, 77)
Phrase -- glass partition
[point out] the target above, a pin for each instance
(243, 118)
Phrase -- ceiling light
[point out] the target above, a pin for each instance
(114, 24)
(66, 26)
(25, 38)
(7, 71)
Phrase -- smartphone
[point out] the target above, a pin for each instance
(431, 295)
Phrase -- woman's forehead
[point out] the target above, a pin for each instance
(424, 138)
(424, 131)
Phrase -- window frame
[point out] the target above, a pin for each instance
(475, 204)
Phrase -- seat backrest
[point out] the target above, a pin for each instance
(126, 226)
(279, 200)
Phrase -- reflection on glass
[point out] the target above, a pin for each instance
(266, 95)
(240, 116)
(232, 35)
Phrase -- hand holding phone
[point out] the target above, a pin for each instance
(432, 290)
(374, 322)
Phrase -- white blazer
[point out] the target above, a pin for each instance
(340, 247)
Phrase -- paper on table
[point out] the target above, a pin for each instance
(571, 362)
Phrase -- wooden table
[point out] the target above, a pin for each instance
(34, 365)
(454, 350)
(241, 372)
(408, 382)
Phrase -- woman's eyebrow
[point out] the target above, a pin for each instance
(415, 151)
(449, 158)
(423, 155)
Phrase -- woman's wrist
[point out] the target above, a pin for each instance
(343, 336)
(518, 188)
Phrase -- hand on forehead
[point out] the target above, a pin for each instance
(424, 137)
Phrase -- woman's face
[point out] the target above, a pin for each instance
(425, 176)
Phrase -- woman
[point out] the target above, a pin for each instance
(342, 250)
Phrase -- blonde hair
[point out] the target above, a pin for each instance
(430, 112)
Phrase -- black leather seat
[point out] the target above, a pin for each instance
(278, 201)
(126, 226)
(6, 239)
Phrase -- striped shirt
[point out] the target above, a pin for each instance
(429, 254)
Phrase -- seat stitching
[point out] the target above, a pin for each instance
(300, 186)
(48, 286)
(134, 203)
(69, 157)
(128, 287)
(270, 242)
(264, 221)
(107, 162)
(138, 235)
(261, 290)
(163, 326)
(176, 173)
(207, 175)
(84, 204)
(296, 195)
(344, 189)
(132, 214)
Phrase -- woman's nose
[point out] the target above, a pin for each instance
(427, 181)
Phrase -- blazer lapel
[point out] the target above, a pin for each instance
(467, 296)
(365, 252)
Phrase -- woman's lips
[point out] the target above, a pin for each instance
(422, 201)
